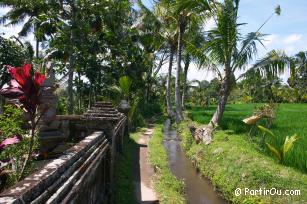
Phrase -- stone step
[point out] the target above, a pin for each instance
(102, 118)
(102, 114)
(109, 111)
(103, 104)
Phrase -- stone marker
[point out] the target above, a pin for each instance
(49, 133)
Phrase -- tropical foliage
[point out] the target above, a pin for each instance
(123, 50)
(280, 152)
(25, 88)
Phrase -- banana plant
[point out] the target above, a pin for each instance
(279, 152)
(125, 84)
(123, 90)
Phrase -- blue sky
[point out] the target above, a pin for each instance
(287, 31)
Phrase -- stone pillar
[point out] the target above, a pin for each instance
(49, 133)
(124, 107)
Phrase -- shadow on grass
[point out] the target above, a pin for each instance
(124, 186)
(128, 174)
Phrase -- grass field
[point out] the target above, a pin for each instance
(291, 119)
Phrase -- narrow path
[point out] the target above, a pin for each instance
(143, 172)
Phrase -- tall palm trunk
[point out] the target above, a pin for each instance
(185, 74)
(70, 85)
(181, 26)
(170, 111)
(224, 93)
(71, 61)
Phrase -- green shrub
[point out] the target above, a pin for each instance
(12, 123)
(150, 109)
(62, 106)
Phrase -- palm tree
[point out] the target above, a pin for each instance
(33, 16)
(269, 68)
(298, 70)
(176, 17)
(228, 49)
(165, 13)
(186, 14)
(196, 37)
(200, 91)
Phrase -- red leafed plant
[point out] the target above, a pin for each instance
(25, 88)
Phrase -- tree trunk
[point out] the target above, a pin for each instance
(185, 74)
(71, 61)
(181, 26)
(205, 133)
(224, 93)
(170, 111)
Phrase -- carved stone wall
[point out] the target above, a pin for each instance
(84, 173)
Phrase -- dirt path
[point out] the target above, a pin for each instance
(143, 171)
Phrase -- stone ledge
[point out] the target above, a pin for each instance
(42, 185)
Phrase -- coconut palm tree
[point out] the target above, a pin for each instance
(165, 14)
(227, 49)
(269, 68)
(195, 36)
(179, 14)
(33, 16)
(298, 70)
(186, 14)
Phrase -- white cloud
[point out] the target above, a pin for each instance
(270, 39)
(289, 49)
(292, 38)
(200, 74)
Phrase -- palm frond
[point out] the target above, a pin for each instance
(265, 130)
(275, 151)
(248, 49)
(27, 28)
(288, 144)
(195, 5)
(273, 64)
(125, 84)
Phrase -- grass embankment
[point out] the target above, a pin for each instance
(234, 161)
(170, 190)
(124, 188)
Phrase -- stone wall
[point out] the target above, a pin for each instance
(80, 174)
(83, 173)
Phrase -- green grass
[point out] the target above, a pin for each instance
(124, 188)
(291, 119)
(232, 161)
(170, 190)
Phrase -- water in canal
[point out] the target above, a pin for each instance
(198, 190)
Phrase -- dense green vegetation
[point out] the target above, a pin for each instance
(12, 123)
(115, 51)
(168, 187)
(234, 160)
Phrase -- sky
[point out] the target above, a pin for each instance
(287, 32)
